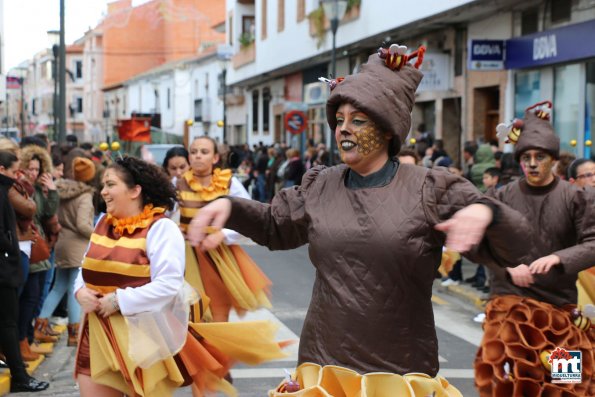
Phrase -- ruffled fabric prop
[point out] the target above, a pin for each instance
(312, 380)
(519, 335)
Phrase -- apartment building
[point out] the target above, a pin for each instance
(282, 47)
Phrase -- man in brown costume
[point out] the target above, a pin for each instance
(530, 313)
(376, 229)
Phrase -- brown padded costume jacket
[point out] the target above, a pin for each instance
(561, 216)
(376, 252)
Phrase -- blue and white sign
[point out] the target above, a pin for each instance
(563, 44)
(486, 54)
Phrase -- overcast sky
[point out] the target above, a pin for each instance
(26, 23)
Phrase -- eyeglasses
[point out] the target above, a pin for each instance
(586, 175)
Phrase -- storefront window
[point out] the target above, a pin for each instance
(590, 106)
(527, 91)
(566, 105)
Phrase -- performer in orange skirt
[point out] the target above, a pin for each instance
(533, 313)
(225, 274)
(135, 337)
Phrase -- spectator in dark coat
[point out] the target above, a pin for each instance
(11, 276)
(295, 169)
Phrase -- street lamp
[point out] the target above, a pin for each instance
(54, 39)
(334, 10)
(224, 53)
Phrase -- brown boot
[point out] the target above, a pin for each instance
(43, 331)
(26, 352)
(73, 334)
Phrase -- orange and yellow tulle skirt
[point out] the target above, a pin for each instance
(203, 362)
(229, 278)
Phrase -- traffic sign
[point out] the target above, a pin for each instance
(296, 121)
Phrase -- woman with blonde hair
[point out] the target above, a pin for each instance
(36, 165)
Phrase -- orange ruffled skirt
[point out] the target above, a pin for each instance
(205, 359)
(229, 278)
(519, 333)
(334, 381)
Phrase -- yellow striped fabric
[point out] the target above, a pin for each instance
(126, 269)
(133, 243)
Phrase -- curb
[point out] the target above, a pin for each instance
(468, 294)
(32, 365)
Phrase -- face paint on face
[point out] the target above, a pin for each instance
(362, 146)
(537, 166)
(369, 139)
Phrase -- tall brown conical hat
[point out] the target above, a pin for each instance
(537, 132)
(384, 90)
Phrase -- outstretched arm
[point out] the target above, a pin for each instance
(486, 230)
(281, 225)
(582, 255)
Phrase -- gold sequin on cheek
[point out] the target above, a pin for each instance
(368, 140)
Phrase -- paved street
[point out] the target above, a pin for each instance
(293, 276)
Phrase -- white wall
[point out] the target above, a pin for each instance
(281, 49)
(497, 27)
(186, 83)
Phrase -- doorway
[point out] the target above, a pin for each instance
(486, 115)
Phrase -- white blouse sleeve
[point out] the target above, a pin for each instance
(166, 253)
(236, 189)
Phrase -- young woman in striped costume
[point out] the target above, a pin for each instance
(132, 273)
(226, 274)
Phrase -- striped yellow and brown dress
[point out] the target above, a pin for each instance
(114, 261)
(117, 259)
(226, 275)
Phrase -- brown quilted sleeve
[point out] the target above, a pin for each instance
(506, 239)
(581, 256)
(281, 225)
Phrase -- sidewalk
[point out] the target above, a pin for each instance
(56, 368)
(465, 291)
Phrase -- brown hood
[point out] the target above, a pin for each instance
(537, 133)
(69, 189)
(28, 152)
(385, 95)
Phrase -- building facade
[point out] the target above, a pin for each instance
(461, 97)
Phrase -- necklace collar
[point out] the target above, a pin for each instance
(131, 223)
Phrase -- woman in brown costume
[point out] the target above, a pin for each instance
(533, 310)
(376, 230)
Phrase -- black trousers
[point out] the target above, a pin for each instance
(9, 335)
(29, 304)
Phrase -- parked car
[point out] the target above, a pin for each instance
(155, 153)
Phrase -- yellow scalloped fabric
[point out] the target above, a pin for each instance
(140, 221)
(219, 185)
(334, 381)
